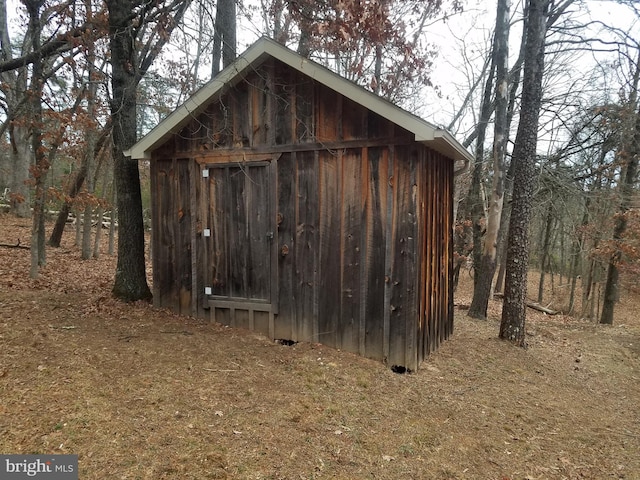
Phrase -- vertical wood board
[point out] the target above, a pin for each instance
(351, 240)
(306, 244)
(286, 221)
(376, 252)
(329, 264)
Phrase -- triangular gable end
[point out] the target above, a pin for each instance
(438, 139)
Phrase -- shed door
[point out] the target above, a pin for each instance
(242, 229)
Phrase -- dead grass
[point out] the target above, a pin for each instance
(139, 393)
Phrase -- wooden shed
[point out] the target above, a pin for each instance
(290, 201)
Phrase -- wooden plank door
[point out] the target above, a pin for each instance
(242, 230)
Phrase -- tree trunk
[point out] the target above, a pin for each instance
(105, 182)
(78, 239)
(611, 288)
(630, 172)
(575, 264)
(485, 270)
(546, 243)
(98, 238)
(130, 279)
(504, 226)
(126, 71)
(41, 167)
(202, 14)
(114, 219)
(58, 229)
(514, 76)
(576, 247)
(628, 153)
(592, 275)
(476, 202)
(20, 158)
(562, 271)
(92, 140)
(378, 70)
(512, 326)
(224, 42)
(13, 85)
(588, 289)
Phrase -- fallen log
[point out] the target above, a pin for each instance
(17, 245)
(540, 308)
(534, 305)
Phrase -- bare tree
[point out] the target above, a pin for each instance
(133, 23)
(486, 266)
(91, 135)
(512, 326)
(628, 155)
(41, 164)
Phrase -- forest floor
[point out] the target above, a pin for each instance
(141, 393)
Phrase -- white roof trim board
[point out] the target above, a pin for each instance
(438, 139)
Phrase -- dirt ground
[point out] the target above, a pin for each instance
(140, 393)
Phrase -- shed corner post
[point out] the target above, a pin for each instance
(153, 244)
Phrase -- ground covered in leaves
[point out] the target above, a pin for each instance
(140, 393)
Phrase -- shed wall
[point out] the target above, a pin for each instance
(361, 252)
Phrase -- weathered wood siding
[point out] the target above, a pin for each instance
(172, 234)
(327, 222)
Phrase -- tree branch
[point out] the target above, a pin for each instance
(61, 44)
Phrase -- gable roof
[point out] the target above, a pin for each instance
(436, 138)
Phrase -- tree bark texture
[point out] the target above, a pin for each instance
(514, 77)
(224, 42)
(486, 268)
(130, 278)
(512, 326)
